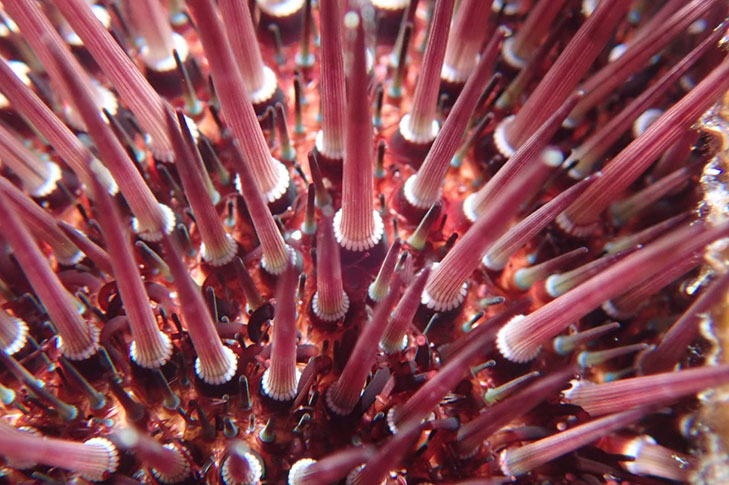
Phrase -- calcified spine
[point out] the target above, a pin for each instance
(420, 126)
(281, 379)
(646, 457)
(241, 466)
(626, 209)
(519, 461)
(270, 175)
(394, 338)
(276, 253)
(656, 389)
(150, 348)
(646, 235)
(260, 81)
(558, 284)
(564, 75)
(168, 462)
(215, 364)
(465, 40)
(581, 217)
(79, 340)
(521, 339)
(67, 412)
(13, 333)
(497, 394)
(95, 459)
(330, 140)
(627, 305)
(330, 302)
(379, 288)
(217, 248)
(447, 286)
(420, 404)
(343, 395)
(591, 358)
(498, 256)
(419, 238)
(133, 88)
(424, 188)
(357, 226)
(565, 344)
(330, 469)
(447, 386)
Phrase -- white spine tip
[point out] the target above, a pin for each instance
(417, 138)
(327, 151)
(453, 75)
(282, 184)
(221, 256)
(353, 477)
(83, 354)
(504, 463)
(440, 305)
(51, 182)
(298, 470)
(414, 200)
(75, 258)
(363, 244)
(468, 208)
(152, 361)
(21, 337)
(372, 292)
(183, 464)
(112, 460)
(395, 348)
(278, 267)
(351, 20)
(645, 120)
(330, 315)
(514, 352)
(507, 51)
(267, 89)
(391, 418)
(576, 174)
(502, 144)
(255, 471)
(552, 157)
(218, 376)
(152, 234)
(285, 392)
(283, 8)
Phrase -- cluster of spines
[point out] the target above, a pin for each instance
(242, 84)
